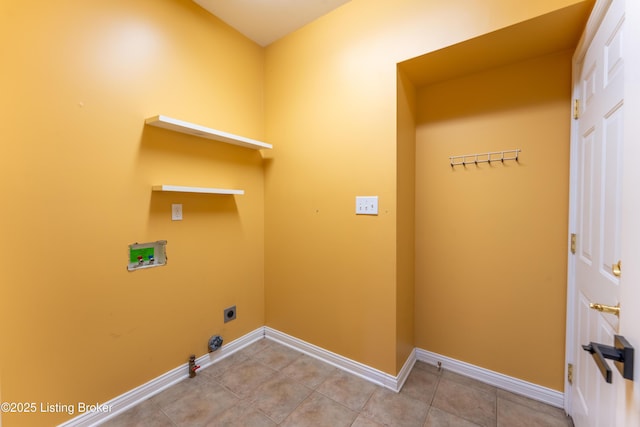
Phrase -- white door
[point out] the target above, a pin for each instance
(604, 268)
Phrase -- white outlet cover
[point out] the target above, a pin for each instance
(176, 212)
(366, 205)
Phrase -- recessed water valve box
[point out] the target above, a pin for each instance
(146, 255)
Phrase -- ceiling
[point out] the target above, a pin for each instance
(265, 21)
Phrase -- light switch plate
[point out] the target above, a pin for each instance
(366, 205)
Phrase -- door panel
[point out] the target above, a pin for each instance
(587, 156)
(598, 146)
(612, 194)
(584, 391)
(605, 201)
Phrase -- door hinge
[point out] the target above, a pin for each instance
(573, 243)
(570, 373)
(576, 109)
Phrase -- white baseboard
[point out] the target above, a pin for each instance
(368, 373)
(505, 382)
(133, 397)
(139, 394)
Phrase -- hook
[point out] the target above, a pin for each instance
(485, 158)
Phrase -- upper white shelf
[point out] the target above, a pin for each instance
(205, 132)
(181, 189)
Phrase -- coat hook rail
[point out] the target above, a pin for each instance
(490, 157)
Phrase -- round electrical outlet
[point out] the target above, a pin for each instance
(229, 314)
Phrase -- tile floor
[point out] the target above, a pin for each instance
(268, 384)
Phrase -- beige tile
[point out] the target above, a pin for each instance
(319, 410)
(277, 356)
(246, 377)
(185, 389)
(511, 414)
(219, 367)
(347, 389)
(421, 385)
(257, 347)
(142, 415)
(427, 367)
(203, 381)
(462, 400)
(533, 404)
(439, 418)
(279, 396)
(363, 421)
(309, 371)
(201, 409)
(467, 381)
(242, 415)
(393, 409)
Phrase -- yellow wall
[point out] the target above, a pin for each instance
(77, 81)
(77, 165)
(405, 227)
(491, 240)
(333, 278)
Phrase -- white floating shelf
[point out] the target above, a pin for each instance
(181, 189)
(205, 132)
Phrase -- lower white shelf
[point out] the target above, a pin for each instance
(205, 190)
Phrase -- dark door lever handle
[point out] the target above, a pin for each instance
(621, 353)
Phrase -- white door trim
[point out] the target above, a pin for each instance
(595, 20)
